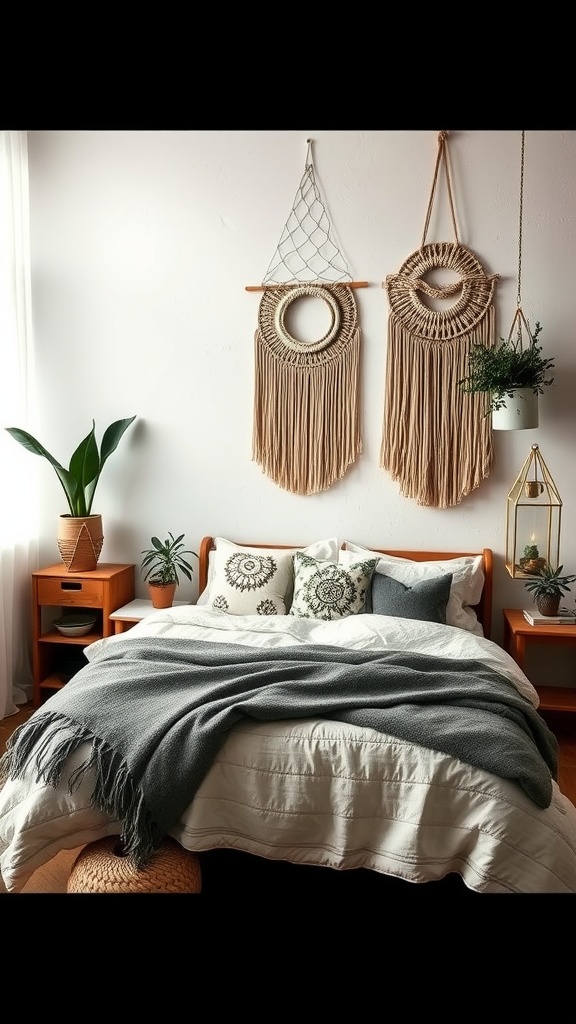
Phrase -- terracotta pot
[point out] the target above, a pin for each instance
(80, 541)
(548, 604)
(162, 594)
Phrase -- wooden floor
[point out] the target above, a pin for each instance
(225, 871)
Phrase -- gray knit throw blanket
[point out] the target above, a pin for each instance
(155, 712)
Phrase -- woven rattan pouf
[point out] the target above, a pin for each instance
(100, 868)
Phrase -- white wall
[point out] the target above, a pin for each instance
(143, 243)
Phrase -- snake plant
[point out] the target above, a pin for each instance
(79, 481)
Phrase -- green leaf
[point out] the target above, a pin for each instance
(80, 479)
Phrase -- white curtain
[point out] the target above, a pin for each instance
(18, 481)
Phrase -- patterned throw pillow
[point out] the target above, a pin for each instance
(425, 600)
(467, 580)
(325, 590)
(250, 582)
(327, 548)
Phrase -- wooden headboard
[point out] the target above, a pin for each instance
(483, 609)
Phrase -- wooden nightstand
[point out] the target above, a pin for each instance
(55, 658)
(133, 612)
(518, 632)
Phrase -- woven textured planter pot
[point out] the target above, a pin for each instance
(162, 594)
(80, 541)
(548, 604)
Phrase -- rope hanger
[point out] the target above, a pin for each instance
(519, 321)
(306, 243)
(442, 156)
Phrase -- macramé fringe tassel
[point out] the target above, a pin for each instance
(307, 429)
(436, 440)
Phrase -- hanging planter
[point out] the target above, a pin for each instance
(512, 377)
(519, 413)
(512, 374)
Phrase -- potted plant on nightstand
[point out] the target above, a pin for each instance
(80, 536)
(511, 375)
(548, 586)
(160, 566)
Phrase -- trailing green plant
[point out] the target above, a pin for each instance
(549, 582)
(80, 480)
(163, 560)
(506, 368)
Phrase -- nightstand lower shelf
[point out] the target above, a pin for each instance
(56, 657)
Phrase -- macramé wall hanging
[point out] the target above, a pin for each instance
(306, 430)
(436, 441)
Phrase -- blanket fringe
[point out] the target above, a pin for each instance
(43, 745)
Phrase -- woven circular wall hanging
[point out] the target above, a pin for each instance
(306, 406)
(473, 304)
(436, 440)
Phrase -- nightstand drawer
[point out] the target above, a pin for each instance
(70, 592)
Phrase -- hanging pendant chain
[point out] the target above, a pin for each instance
(519, 298)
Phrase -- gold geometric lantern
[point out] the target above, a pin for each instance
(533, 517)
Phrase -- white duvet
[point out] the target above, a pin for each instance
(326, 793)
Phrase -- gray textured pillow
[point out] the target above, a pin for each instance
(325, 590)
(425, 600)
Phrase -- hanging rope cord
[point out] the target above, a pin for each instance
(519, 295)
(442, 156)
(519, 321)
(436, 444)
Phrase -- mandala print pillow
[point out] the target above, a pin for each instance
(326, 590)
(327, 548)
(249, 582)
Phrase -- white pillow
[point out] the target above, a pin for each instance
(327, 590)
(466, 588)
(244, 580)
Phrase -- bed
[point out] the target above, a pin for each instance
(327, 707)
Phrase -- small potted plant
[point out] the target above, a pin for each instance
(80, 535)
(548, 586)
(160, 567)
(507, 368)
(531, 562)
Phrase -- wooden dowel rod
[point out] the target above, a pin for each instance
(295, 284)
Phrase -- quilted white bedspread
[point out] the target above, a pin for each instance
(326, 793)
